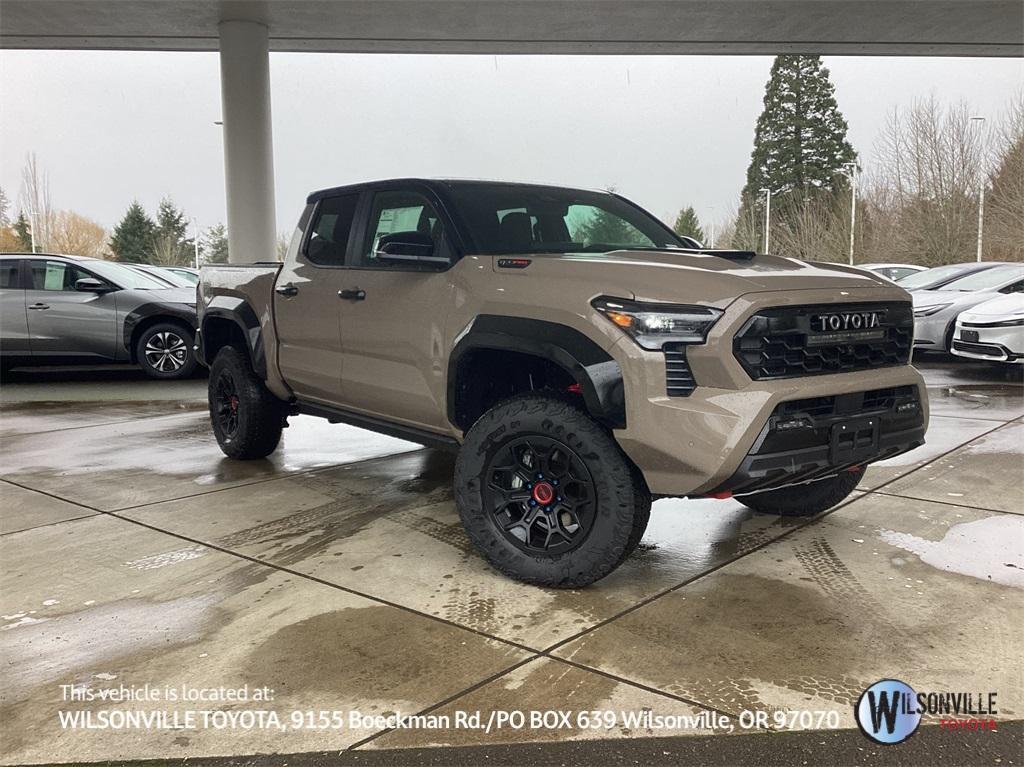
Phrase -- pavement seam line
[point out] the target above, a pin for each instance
(90, 425)
(945, 503)
(49, 524)
(455, 696)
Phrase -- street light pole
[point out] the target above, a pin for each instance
(767, 216)
(981, 192)
(195, 240)
(851, 171)
(32, 227)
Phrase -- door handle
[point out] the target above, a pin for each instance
(286, 290)
(355, 294)
(39, 306)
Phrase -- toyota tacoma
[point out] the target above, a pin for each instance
(580, 356)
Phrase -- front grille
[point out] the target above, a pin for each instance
(782, 343)
(983, 349)
(679, 381)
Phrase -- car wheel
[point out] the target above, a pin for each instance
(165, 351)
(804, 500)
(246, 418)
(546, 495)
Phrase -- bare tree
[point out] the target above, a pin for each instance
(35, 200)
(1004, 208)
(75, 234)
(929, 165)
(814, 229)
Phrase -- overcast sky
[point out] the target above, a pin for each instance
(666, 131)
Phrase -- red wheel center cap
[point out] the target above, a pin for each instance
(543, 493)
(233, 401)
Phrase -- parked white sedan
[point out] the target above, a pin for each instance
(993, 330)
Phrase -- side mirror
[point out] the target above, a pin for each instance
(408, 247)
(92, 285)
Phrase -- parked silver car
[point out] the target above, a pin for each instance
(60, 309)
(935, 311)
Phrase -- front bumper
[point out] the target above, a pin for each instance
(810, 439)
(930, 332)
(996, 344)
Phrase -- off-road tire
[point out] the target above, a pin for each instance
(621, 502)
(177, 363)
(804, 500)
(259, 415)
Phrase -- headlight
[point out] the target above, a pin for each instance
(653, 325)
(928, 311)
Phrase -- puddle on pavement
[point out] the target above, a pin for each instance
(990, 549)
(369, 653)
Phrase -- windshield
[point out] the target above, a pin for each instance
(125, 276)
(934, 276)
(990, 279)
(511, 218)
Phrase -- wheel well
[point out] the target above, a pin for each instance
(484, 377)
(219, 332)
(149, 322)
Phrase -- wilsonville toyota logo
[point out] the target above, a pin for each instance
(889, 711)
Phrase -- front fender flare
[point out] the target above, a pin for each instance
(595, 371)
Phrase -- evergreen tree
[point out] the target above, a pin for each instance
(132, 240)
(24, 231)
(688, 225)
(800, 143)
(170, 244)
(215, 246)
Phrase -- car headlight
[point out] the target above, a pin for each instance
(928, 311)
(652, 325)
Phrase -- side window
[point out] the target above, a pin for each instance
(395, 212)
(589, 225)
(328, 241)
(10, 274)
(56, 275)
(1017, 287)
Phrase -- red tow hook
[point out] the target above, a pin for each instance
(573, 389)
(720, 496)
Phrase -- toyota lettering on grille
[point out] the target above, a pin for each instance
(839, 321)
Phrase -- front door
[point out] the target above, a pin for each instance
(393, 315)
(13, 320)
(306, 302)
(65, 322)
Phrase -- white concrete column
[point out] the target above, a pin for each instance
(248, 141)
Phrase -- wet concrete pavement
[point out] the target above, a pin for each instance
(337, 574)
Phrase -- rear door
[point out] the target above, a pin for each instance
(393, 315)
(63, 321)
(306, 304)
(14, 340)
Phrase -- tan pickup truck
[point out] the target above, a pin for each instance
(580, 356)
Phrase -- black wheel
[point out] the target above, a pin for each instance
(165, 351)
(247, 419)
(804, 500)
(546, 495)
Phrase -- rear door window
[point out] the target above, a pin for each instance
(328, 240)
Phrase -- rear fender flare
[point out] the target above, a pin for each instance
(242, 315)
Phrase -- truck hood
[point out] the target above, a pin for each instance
(671, 276)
